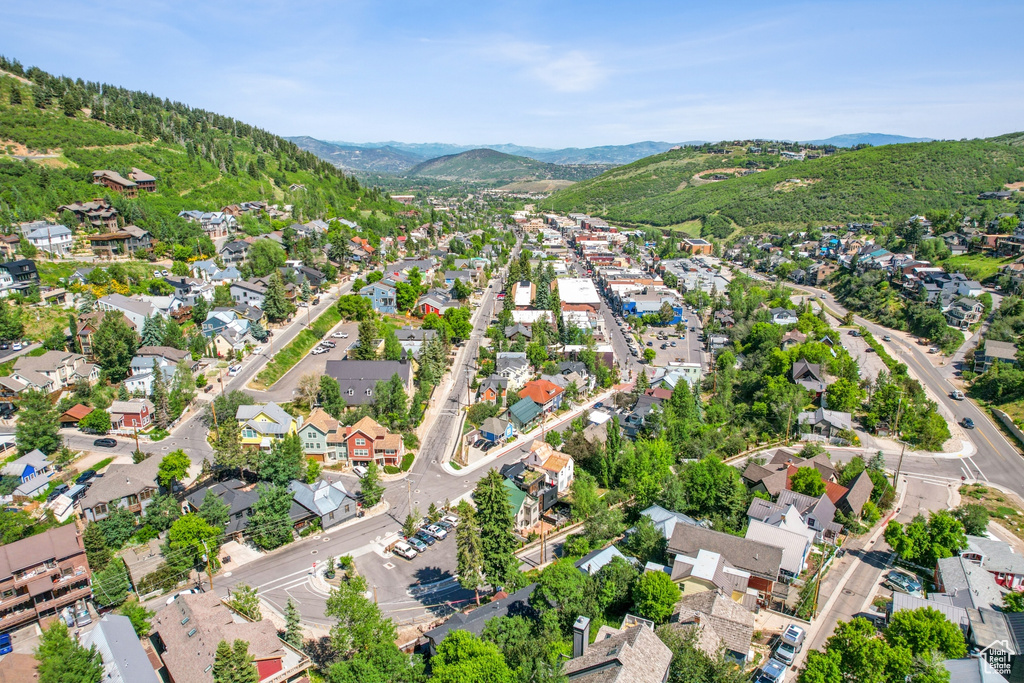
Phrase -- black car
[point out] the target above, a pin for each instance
(105, 443)
(425, 537)
(59, 489)
(85, 476)
(968, 423)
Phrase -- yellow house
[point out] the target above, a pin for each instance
(709, 571)
(261, 425)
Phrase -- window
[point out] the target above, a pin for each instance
(100, 509)
(249, 433)
(360, 442)
(369, 392)
(350, 392)
(146, 495)
(332, 516)
(361, 453)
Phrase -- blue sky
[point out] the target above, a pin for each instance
(551, 74)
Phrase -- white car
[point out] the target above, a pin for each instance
(403, 549)
(436, 531)
(156, 273)
(164, 273)
(16, 346)
(177, 595)
(338, 335)
(344, 335)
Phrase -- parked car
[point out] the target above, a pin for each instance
(338, 335)
(403, 549)
(105, 443)
(4, 346)
(164, 272)
(359, 471)
(672, 344)
(436, 531)
(82, 616)
(447, 526)
(967, 423)
(451, 519)
(934, 349)
(16, 346)
(790, 644)
(59, 489)
(328, 344)
(420, 546)
(425, 537)
(234, 370)
(85, 476)
(898, 581)
(772, 672)
(187, 591)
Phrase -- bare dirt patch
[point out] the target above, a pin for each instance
(1015, 186)
(537, 186)
(16, 148)
(793, 183)
(697, 180)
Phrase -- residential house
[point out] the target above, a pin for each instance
(859, 492)
(595, 560)
(665, 520)
(964, 312)
(234, 252)
(128, 240)
(772, 477)
(467, 277)
(993, 351)
(558, 468)
(237, 495)
(761, 560)
(187, 631)
(116, 182)
(790, 534)
(501, 605)
(826, 423)
(968, 583)
(517, 332)
(412, 339)
(493, 389)
(817, 513)
(248, 292)
(208, 271)
(809, 376)
(708, 570)
(514, 367)
(23, 272)
(124, 658)
(358, 378)
(131, 415)
(545, 394)
(62, 368)
(496, 430)
(69, 419)
(98, 213)
(970, 288)
(631, 654)
(190, 290)
(367, 440)
(525, 507)
(722, 624)
(382, 296)
(435, 301)
(41, 575)
(135, 310)
(998, 559)
(793, 338)
(319, 434)
(53, 239)
(144, 181)
(28, 466)
(262, 424)
(214, 223)
(328, 502)
(784, 316)
(129, 486)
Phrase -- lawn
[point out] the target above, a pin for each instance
(1002, 507)
(975, 266)
(285, 359)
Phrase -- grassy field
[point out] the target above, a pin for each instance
(1002, 507)
(286, 358)
(975, 266)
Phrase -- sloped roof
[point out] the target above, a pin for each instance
(732, 622)
(633, 655)
(752, 556)
(494, 425)
(321, 497)
(858, 494)
(525, 410)
(540, 390)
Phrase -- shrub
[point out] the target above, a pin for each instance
(407, 461)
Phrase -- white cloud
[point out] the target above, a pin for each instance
(572, 72)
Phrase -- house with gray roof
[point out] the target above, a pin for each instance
(858, 493)
(631, 654)
(513, 366)
(124, 659)
(997, 558)
(236, 494)
(968, 584)
(135, 310)
(123, 485)
(474, 621)
(827, 423)
(32, 464)
(721, 622)
(592, 562)
(328, 502)
(665, 520)
(761, 560)
(358, 378)
(412, 339)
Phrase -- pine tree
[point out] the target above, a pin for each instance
(469, 552)
(275, 301)
(497, 540)
(161, 411)
(234, 664)
(392, 347)
(307, 293)
(153, 331)
(292, 625)
(38, 424)
(173, 336)
(369, 339)
(96, 551)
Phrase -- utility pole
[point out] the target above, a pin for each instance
(899, 465)
(408, 486)
(789, 421)
(209, 569)
(213, 408)
(137, 439)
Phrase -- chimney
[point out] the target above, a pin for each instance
(580, 636)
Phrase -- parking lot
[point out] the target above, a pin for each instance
(313, 364)
(417, 590)
(867, 360)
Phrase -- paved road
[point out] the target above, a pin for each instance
(996, 459)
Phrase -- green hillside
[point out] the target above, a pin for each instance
(55, 131)
(488, 167)
(875, 182)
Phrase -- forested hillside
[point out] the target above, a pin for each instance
(874, 182)
(54, 131)
(486, 166)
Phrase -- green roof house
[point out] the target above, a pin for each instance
(524, 506)
(523, 412)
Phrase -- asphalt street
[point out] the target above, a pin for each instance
(996, 459)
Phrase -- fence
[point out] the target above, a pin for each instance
(1008, 423)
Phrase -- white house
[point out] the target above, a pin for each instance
(135, 310)
(558, 468)
(784, 316)
(54, 239)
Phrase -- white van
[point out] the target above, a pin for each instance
(403, 549)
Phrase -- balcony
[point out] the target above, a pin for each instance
(8, 603)
(17, 619)
(28, 578)
(64, 599)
